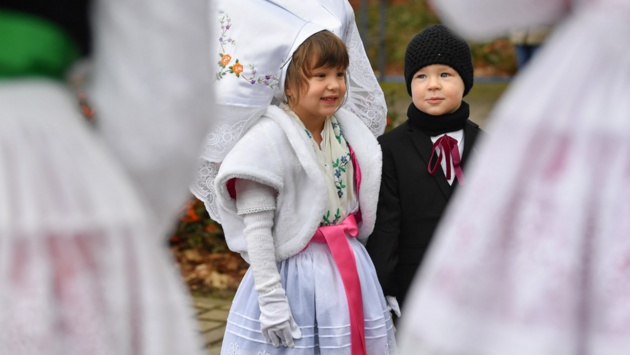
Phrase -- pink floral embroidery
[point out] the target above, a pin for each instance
(238, 68)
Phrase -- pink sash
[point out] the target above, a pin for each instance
(335, 237)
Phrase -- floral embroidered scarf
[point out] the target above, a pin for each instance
(334, 160)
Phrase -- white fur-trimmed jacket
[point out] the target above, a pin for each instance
(276, 152)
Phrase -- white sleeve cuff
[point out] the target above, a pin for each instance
(252, 197)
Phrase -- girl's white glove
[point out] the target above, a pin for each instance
(392, 305)
(256, 203)
(276, 321)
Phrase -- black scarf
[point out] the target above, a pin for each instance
(436, 125)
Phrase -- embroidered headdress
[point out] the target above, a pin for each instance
(255, 42)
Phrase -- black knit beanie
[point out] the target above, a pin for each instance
(437, 44)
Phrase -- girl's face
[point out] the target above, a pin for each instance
(322, 94)
(437, 89)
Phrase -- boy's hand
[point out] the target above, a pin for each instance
(392, 305)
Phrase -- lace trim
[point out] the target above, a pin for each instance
(203, 187)
(220, 141)
(229, 124)
(366, 98)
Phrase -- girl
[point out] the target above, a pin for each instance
(297, 197)
(533, 258)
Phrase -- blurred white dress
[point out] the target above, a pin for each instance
(533, 256)
(84, 210)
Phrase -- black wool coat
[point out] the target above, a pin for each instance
(411, 203)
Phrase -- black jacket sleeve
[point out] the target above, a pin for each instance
(382, 245)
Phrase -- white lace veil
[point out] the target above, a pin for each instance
(255, 41)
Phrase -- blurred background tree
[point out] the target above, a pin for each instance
(386, 27)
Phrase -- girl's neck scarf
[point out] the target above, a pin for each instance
(336, 164)
(436, 125)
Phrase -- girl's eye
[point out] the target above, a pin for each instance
(341, 74)
(320, 75)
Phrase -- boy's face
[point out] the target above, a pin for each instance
(437, 89)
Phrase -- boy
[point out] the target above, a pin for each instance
(422, 158)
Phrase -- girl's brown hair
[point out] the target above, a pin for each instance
(323, 49)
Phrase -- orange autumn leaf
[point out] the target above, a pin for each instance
(190, 216)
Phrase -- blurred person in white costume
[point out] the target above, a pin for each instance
(85, 208)
(542, 265)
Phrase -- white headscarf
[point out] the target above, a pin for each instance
(255, 42)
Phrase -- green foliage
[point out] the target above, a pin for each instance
(404, 20)
(494, 58)
(397, 100)
(402, 23)
(195, 230)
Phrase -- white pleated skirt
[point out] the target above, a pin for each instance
(82, 267)
(318, 303)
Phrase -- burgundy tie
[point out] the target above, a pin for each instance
(450, 151)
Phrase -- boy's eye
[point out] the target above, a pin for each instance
(421, 76)
(445, 75)
(341, 74)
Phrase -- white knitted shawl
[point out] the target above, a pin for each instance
(276, 152)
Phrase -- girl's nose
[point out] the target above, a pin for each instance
(333, 84)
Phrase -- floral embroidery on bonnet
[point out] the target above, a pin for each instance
(237, 68)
